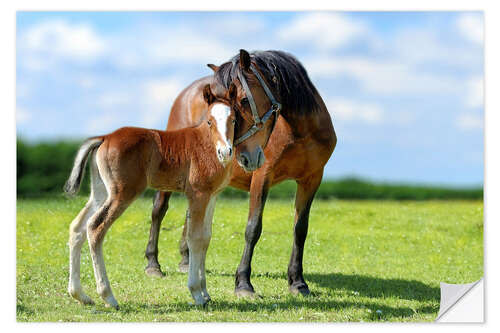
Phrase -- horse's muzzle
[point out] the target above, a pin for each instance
(251, 161)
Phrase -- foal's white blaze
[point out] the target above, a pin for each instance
(221, 112)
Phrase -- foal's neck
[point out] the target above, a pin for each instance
(188, 143)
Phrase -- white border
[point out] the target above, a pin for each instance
(492, 109)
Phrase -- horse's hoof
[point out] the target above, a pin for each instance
(183, 268)
(154, 272)
(244, 293)
(114, 306)
(300, 289)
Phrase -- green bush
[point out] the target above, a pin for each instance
(43, 168)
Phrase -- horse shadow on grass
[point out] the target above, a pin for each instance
(354, 291)
(362, 285)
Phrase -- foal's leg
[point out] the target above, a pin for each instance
(258, 194)
(78, 234)
(306, 189)
(207, 230)
(97, 227)
(160, 206)
(197, 239)
(184, 250)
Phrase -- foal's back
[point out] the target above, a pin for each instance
(164, 160)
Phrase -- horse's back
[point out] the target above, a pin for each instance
(189, 107)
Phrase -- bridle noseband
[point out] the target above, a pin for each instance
(258, 122)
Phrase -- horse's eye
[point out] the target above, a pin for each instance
(244, 101)
(209, 122)
(233, 121)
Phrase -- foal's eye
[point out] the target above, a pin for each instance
(233, 121)
(244, 101)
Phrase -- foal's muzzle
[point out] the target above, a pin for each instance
(224, 153)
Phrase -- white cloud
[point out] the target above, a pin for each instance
(471, 27)
(325, 30)
(348, 111)
(104, 122)
(475, 92)
(380, 77)
(469, 121)
(423, 44)
(22, 115)
(113, 100)
(167, 45)
(160, 95)
(61, 39)
(147, 102)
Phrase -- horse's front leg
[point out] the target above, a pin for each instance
(258, 194)
(306, 189)
(198, 234)
(160, 206)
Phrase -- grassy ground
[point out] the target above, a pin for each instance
(364, 261)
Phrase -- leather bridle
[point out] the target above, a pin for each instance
(258, 122)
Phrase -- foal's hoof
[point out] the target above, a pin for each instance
(87, 300)
(154, 272)
(300, 289)
(81, 297)
(244, 293)
(183, 268)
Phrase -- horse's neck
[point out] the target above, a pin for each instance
(303, 124)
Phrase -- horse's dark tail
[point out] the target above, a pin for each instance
(72, 185)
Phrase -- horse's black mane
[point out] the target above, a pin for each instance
(295, 90)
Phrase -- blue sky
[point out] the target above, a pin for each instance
(405, 89)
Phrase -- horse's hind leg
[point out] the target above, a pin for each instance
(306, 189)
(160, 206)
(78, 235)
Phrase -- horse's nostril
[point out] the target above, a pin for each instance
(244, 160)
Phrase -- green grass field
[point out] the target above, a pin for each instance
(364, 261)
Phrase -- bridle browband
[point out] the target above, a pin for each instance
(258, 122)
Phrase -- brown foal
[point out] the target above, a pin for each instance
(196, 161)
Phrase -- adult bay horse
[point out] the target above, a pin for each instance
(195, 160)
(298, 148)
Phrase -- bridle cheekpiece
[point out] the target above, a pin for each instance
(258, 122)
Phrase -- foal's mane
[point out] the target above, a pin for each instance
(295, 90)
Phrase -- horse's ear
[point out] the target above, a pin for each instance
(232, 91)
(207, 94)
(213, 67)
(244, 60)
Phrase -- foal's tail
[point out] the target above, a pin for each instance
(72, 185)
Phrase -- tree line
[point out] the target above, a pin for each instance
(43, 167)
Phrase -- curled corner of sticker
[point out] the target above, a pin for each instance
(462, 303)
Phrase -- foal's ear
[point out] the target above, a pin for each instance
(213, 67)
(244, 59)
(207, 94)
(232, 91)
